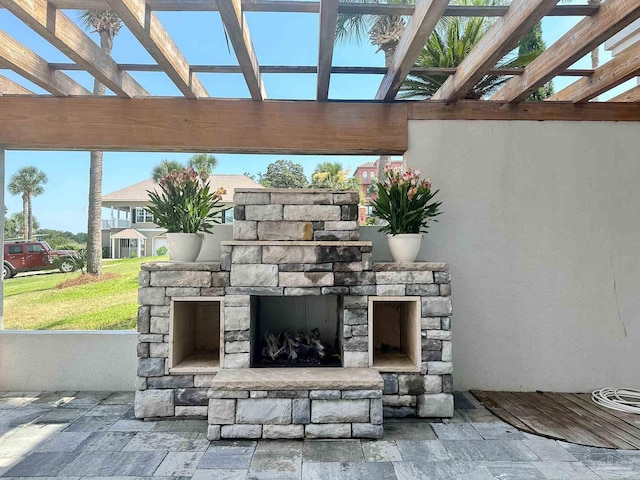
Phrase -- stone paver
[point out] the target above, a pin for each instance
(93, 435)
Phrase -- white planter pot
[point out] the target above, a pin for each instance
(404, 246)
(184, 247)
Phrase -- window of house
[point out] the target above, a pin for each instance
(143, 215)
(364, 175)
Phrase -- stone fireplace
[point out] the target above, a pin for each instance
(297, 331)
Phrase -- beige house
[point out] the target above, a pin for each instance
(129, 230)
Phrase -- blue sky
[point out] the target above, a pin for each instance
(279, 39)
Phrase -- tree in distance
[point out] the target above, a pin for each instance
(203, 163)
(28, 182)
(14, 226)
(283, 174)
(332, 175)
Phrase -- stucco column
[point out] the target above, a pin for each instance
(2, 236)
(113, 248)
(139, 243)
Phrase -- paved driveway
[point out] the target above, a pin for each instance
(75, 435)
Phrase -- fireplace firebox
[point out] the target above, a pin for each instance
(296, 331)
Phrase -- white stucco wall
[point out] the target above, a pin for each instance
(75, 360)
(541, 227)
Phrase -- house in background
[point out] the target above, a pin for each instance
(367, 174)
(129, 229)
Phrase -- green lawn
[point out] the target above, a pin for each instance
(35, 302)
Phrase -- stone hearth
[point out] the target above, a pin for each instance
(198, 319)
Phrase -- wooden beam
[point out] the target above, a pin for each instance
(237, 29)
(55, 27)
(146, 67)
(618, 70)
(535, 111)
(502, 37)
(425, 18)
(9, 87)
(632, 95)
(327, 35)
(146, 27)
(314, 7)
(31, 66)
(182, 125)
(456, 10)
(588, 34)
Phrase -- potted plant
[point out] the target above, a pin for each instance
(404, 203)
(186, 207)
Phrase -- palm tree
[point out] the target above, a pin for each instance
(531, 42)
(28, 182)
(164, 168)
(449, 44)
(107, 25)
(384, 32)
(203, 163)
(332, 175)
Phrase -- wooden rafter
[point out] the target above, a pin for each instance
(327, 35)
(31, 66)
(146, 27)
(237, 29)
(632, 95)
(419, 28)
(314, 7)
(179, 124)
(588, 34)
(9, 87)
(618, 70)
(494, 44)
(64, 34)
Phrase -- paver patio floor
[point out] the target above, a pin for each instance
(74, 435)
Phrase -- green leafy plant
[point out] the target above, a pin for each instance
(403, 202)
(185, 203)
(162, 250)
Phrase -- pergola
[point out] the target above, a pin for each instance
(133, 120)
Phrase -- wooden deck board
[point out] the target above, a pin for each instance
(627, 417)
(570, 417)
(607, 421)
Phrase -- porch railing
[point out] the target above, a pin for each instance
(110, 223)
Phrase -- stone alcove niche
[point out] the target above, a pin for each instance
(295, 324)
(195, 335)
(394, 333)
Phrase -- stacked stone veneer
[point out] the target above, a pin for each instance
(277, 250)
(295, 215)
(317, 404)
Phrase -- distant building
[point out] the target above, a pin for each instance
(367, 173)
(130, 230)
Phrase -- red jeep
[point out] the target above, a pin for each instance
(26, 256)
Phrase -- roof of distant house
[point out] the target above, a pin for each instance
(138, 191)
(368, 164)
(128, 233)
